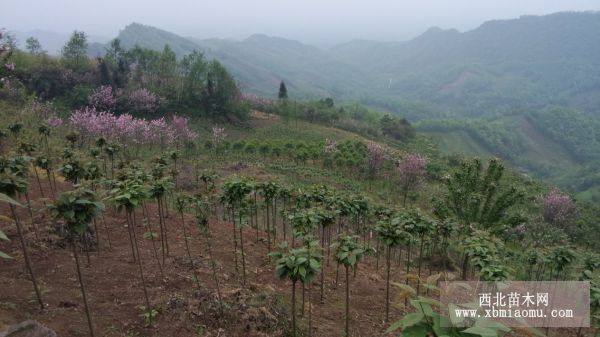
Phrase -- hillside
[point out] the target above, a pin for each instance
(502, 68)
(529, 62)
(503, 65)
(559, 146)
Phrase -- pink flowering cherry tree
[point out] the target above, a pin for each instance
(412, 170)
(375, 158)
(127, 129)
(102, 98)
(143, 101)
(558, 208)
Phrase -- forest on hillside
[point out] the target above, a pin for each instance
(143, 194)
(504, 71)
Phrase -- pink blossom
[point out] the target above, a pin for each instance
(558, 208)
(412, 171)
(54, 121)
(330, 146)
(218, 135)
(126, 128)
(9, 66)
(376, 155)
(181, 129)
(102, 98)
(142, 100)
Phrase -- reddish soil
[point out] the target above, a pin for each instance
(114, 289)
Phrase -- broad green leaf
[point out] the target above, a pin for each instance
(4, 256)
(3, 236)
(408, 321)
(415, 331)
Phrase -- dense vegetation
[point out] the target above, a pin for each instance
(138, 81)
(510, 72)
(557, 144)
(323, 192)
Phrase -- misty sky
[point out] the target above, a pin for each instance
(312, 21)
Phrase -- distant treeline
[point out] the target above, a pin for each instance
(352, 117)
(138, 80)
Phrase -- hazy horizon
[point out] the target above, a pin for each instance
(311, 21)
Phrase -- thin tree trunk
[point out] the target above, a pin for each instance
(162, 229)
(187, 249)
(26, 257)
(37, 177)
(129, 231)
(83, 294)
(235, 260)
(323, 266)
(139, 260)
(97, 235)
(347, 302)
(407, 270)
(309, 312)
(267, 216)
(303, 291)
(243, 254)
(107, 232)
(213, 265)
(33, 224)
(149, 228)
(52, 188)
(387, 285)
(420, 263)
(165, 207)
(294, 308)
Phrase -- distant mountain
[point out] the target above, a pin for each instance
(504, 65)
(259, 62)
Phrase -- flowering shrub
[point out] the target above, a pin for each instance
(8, 67)
(330, 146)
(412, 171)
(54, 121)
(413, 166)
(126, 128)
(258, 103)
(218, 135)
(102, 98)
(557, 208)
(181, 129)
(375, 157)
(142, 100)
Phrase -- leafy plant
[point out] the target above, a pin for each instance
(391, 235)
(10, 185)
(148, 315)
(296, 264)
(77, 209)
(348, 253)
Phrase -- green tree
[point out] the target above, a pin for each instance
(33, 46)
(10, 185)
(74, 52)
(348, 253)
(391, 235)
(479, 196)
(283, 94)
(296, 265)
(78, 208)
